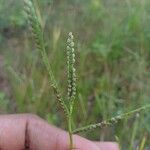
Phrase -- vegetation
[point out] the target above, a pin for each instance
(112, 64)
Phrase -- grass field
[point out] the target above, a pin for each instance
(113, 64)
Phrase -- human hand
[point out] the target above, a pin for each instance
(29, 132)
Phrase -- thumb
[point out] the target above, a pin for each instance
(79, 143)
(84, 144)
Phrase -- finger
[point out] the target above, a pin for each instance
(107, 145)
(12, 132)
(27, 131)
(46, 137)
(30, 132)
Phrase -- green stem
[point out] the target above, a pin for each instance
(70, 126)
(70, 131)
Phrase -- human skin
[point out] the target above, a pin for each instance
(29, 132)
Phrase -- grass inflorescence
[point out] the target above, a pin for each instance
(38, 35)
(67, 105)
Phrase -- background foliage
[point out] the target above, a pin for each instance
(113, 57)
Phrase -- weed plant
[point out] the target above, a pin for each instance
(66, 104)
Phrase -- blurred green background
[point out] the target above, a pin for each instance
(113, 64)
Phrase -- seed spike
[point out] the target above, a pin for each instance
(38, 35)
(71, 69)
(109, 122)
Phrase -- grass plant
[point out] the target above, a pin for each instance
(66, 104)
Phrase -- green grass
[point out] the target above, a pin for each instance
(113, 58)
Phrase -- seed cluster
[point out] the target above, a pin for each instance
(100, 125)
(70, 67)
(35, 26)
